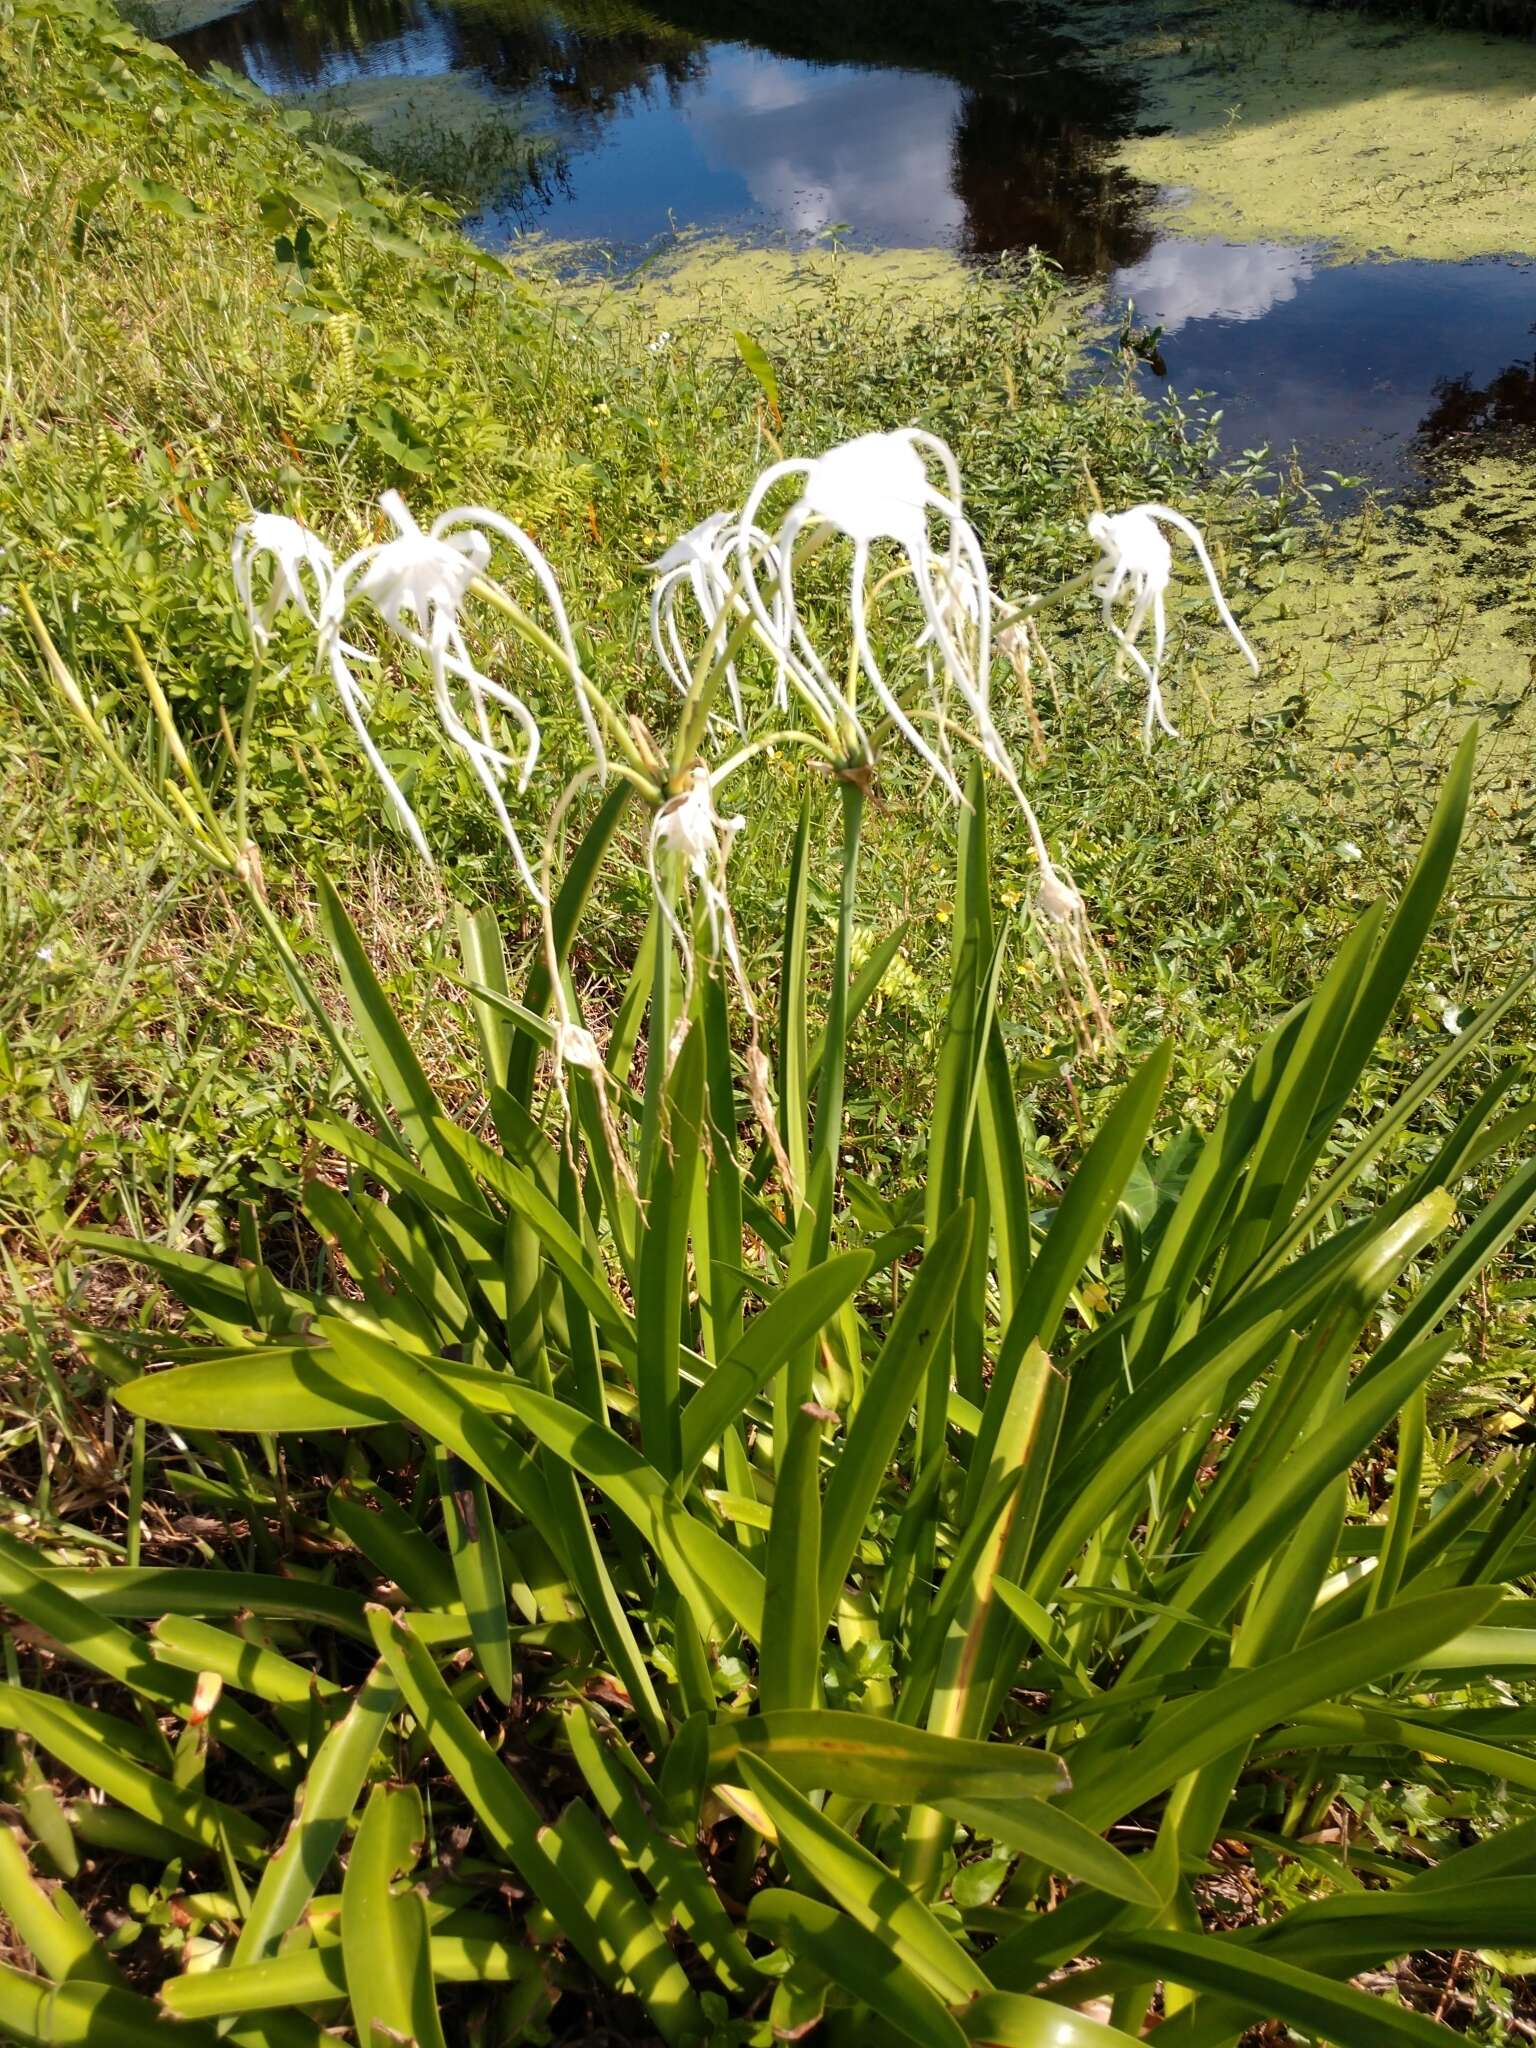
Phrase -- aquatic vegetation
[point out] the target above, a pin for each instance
(706, 286)
(1266, 120)
(450, 135)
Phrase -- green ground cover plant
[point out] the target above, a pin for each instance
(876, 1518)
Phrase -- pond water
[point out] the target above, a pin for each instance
(977, 128)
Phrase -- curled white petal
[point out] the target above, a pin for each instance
(470, 521)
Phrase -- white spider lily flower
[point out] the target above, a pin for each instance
(417, 585)
(292, 550)
(689, 828)
(1135, 557)
(699, 562)
(419, 581)
(878, 487)
(1061, 917)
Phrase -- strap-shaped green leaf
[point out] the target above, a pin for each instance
(1268, 1988)
(471, 1529)
(1485, 1236)
(313, 1976)
(337, 1773)
(101, 1761)
(335, 1218)
(1353, 1931)
(510, 1819)
(1008, 2019)
(561, 1243)
(50, 1927)
(1249, 1539)
(794, 1316)
(390, 1053)
(789, 1668)
(626, 1794)
(1200, 1729)
(384, 1926)
(210, 1288)
(430, 1400)
(565, 919)
(869, 1758)
(860, 1962)
(84, 2015)
(1092, 1196)
(1427, 1082)
(578, 1848)
(293, 1388)
(143, 1592)
(388, 1537)
(862, 1885)
(794, 1087)
(832, 1072)
(1104, 1466)
(1041, 1830)
(663, 1278)
(1323, 1726)
(251, 1667)
(485, 968)
(722, 1285)
(889, 1393)
(1269, 1184)
(712, 1573)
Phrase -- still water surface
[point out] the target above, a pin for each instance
(971, 127)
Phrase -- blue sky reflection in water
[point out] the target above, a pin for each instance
(971, 128)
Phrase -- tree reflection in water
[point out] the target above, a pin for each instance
(1501, 412)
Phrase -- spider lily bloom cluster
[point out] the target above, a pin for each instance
(872, 489)
(896, 500)
(418, 582)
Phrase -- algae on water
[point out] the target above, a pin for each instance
(713, 284)
(1268, 120)
(1399, 620)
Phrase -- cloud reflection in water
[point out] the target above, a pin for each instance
(1180, 281)
(814, 146)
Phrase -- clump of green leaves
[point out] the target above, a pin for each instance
(799, 1612)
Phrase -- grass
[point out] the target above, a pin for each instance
(202, 309)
